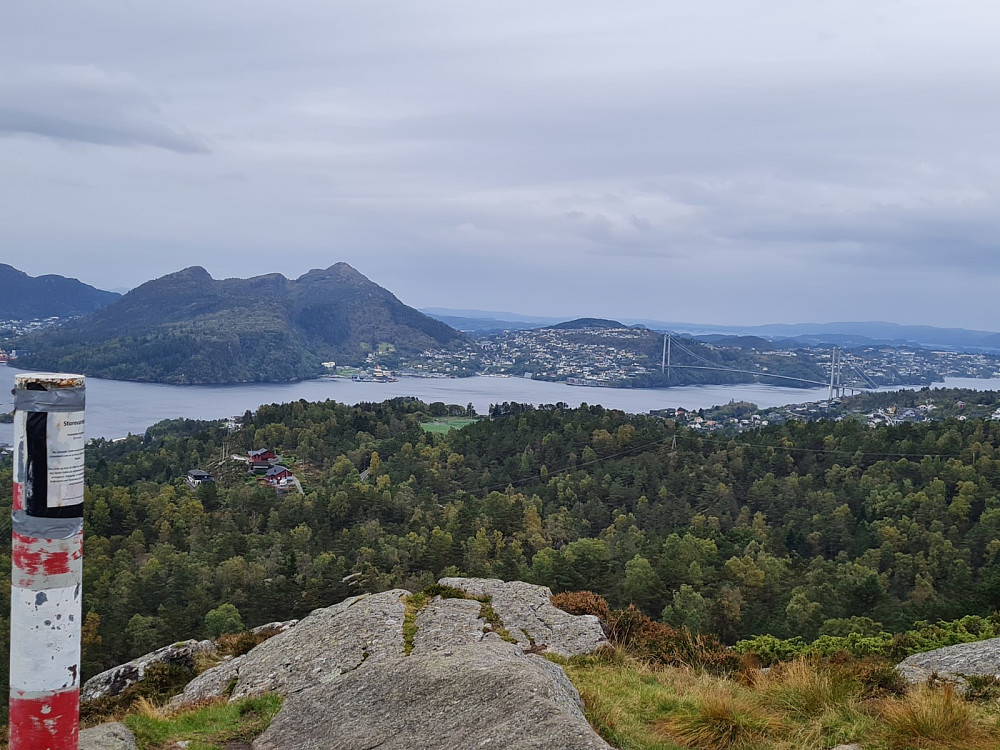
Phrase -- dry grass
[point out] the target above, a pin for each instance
(718, 720)
(936, 719)
(801, 689)
(148, 709)
(798, 706)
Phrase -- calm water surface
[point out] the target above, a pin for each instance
(116, 408)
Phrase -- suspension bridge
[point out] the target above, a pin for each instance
(837, 385)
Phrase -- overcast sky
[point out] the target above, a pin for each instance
(719, 161)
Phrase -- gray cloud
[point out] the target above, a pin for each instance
(720, 160)
(88, 105)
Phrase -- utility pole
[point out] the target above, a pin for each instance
(47, 561)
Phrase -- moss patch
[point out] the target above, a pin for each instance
(413, 604)
(493, 622)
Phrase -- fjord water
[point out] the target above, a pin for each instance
(116, 408)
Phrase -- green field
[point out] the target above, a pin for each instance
(444, 424)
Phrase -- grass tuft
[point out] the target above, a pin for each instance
(934, 719)
(719, 720)
(801, 689)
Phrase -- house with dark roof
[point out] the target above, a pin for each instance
(261, 457)
(197, 477)
(276, 473)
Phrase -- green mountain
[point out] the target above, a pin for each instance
(190, 328)
(27, 297)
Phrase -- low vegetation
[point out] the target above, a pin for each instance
(819, 542)
(864, 642)
(800, 705)
(214, 726)
(661, 688)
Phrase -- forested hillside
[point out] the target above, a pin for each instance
(187, 327)
(26, 297)
(800, 530)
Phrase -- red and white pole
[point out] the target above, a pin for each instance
(47, 553)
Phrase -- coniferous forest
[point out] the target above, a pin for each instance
(802, 530)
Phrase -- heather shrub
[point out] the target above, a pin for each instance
(583, 603)
(237, 644)
(875, 676)
(982, 688)
(656, 642)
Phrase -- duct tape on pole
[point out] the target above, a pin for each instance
(47, 561)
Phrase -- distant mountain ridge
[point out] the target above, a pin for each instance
(187, 327)
(858, 333)
(27, 297)
(584, 323)
(851, 334)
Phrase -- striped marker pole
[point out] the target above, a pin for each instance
(47, 567)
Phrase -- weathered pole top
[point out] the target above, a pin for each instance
(48, 380)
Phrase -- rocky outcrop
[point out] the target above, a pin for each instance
(114, 681)
(324, 645)
(217, 682)
(107, 737)
(487, 695)
(529, 616)
(350, 683)
(954, 662)
(446, 624)
(273, 628)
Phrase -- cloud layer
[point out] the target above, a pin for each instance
(724, 162)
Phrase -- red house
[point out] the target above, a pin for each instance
(262, 456)
(276, 473)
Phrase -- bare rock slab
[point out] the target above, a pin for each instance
(528, 614)
(212, 683)
(446, 624)
(107, 737)
(320, 647)
(488, 695)
(954, 662)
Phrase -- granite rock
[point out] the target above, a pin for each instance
(487, 695)
(107, 737)
(954, 662)
(528, 614)
(322, 646)
(445, 624)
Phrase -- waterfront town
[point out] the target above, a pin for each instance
(612, 358)
(632, 356)
(889, 409)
